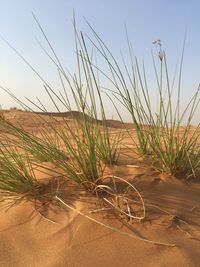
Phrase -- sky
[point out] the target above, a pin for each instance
(146, 20)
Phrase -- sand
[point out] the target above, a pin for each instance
(55, 236)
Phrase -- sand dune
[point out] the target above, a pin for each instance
(54, 236)
(18, 116)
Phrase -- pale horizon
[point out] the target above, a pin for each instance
(146, 21)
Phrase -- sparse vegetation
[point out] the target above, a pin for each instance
(172, 147)
(89, 146)
(81, 148)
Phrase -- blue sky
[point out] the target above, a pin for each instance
(146, 21)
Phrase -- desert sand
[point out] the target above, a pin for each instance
(52, 235)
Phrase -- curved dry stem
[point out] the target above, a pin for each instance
(113, 228)
(117, 196)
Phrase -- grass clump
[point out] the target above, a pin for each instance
(20, 154)
(88, 143)
(74, 154)
(174, 149)
(85, 89)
